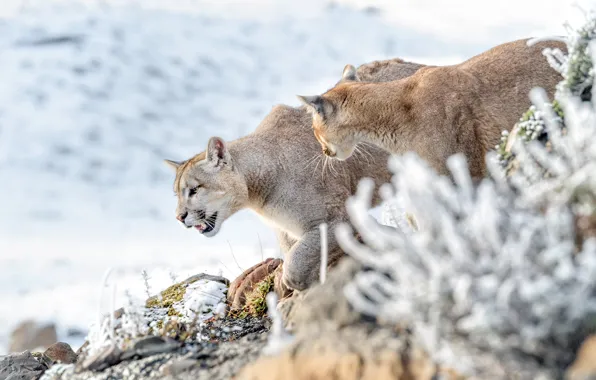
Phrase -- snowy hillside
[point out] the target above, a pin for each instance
(93, 98)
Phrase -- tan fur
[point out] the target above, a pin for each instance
(438, 111)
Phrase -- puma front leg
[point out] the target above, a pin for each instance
(302, 262)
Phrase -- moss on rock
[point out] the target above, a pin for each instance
(168, 297)
(256, 305)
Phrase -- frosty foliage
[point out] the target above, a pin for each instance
(577, 67)
(577, 71)
(279, 338)
(564, 172)
(108, 330)
(502, 264)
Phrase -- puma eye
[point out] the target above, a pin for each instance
(194, 190)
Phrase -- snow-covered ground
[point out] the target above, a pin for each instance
(94, 94)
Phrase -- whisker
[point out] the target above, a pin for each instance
(366, 151)
(333, 170)
(324, 167)
(369, 145)
(311, 161)
(359, 154)
(320, 159)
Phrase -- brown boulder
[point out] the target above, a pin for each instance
(61, 352)
(245, 283)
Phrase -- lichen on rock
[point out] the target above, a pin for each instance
(256, 304)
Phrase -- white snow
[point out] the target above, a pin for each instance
(86, 122)
(201, 301)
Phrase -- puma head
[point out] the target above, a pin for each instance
(209, 189)
(334, 124)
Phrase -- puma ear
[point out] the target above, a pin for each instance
(349, 74)
(217, 152)
(173, 164)
(314, 103)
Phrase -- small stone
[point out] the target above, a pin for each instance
(61, 352)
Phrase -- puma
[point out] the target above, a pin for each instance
(439, 110)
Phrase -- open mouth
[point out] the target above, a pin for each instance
(208, 224)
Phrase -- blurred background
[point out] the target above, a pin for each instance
(95, 94)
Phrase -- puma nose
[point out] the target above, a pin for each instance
(328, 152)
(181, 217)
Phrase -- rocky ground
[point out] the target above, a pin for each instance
(323, 338)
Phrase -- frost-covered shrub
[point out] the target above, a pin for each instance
(569, 162)
(503, 265)
(108, 330)
(577, 67)
(578, 76)
(506, 276)
(531, 126)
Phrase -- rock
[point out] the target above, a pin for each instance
(208, 277)
(584, 366)
(102, 359)
(61, 353)
(21, 366)
(348, 366)
(200, 361)
(43, 359)
(150, 345)
(245, 283)
(30, 335)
